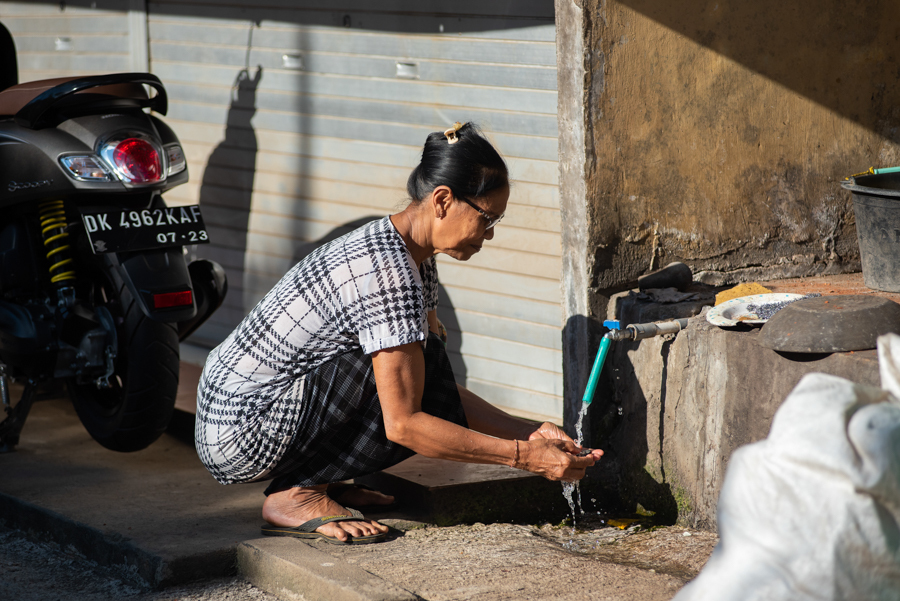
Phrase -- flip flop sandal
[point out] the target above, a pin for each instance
(340, 488)
(307, 530)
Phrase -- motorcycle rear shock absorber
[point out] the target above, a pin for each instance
(54, 231)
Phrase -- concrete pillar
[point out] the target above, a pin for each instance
(573, 77)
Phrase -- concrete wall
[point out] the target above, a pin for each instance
(717, 132)
(673, 409)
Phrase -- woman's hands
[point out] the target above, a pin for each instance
(551, 453)
(553, 459)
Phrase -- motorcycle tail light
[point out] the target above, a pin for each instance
(137, 161)
(86, 168)
(172, 299)
(175, 156)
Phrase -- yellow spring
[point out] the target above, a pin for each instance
(54, 230)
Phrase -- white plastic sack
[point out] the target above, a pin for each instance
(813, 511)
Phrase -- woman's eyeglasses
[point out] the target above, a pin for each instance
(491, 221)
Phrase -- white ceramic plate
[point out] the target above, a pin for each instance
(735, 311)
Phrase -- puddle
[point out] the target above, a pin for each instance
(635, 542)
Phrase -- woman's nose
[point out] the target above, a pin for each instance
(489, 234)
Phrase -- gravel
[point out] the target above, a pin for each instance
(37, 571)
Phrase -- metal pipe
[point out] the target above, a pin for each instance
(635, 331)
(649, 330)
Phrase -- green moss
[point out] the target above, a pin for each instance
(654, 472)
(644, 512)
(682, 500)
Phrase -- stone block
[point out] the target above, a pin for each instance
(676, 407)
(448, 492)
(292, 569)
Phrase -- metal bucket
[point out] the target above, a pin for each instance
(876, 203)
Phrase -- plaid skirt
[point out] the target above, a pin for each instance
(337, 426)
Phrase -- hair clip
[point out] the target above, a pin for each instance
(452, 138)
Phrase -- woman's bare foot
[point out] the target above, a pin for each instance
(351, 495)
(295, 506)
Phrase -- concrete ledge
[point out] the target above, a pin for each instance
(292, 569)
(141, 567)
(449, 492)
(674, 409)
(111, 549)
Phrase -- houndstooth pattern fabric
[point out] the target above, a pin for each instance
(344, 437)
(361, 292)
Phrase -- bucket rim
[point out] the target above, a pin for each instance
(851, 185)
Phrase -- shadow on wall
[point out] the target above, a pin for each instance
(843, 56)
(631, 431)
(9, 70)
(619, 421)
(446, 312)
(581, 338)
(227, 184)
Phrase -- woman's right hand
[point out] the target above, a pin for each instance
(555, 459)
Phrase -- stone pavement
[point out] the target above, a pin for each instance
(159, 513)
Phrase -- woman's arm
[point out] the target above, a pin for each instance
(400, 378)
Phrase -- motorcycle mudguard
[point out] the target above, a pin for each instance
(153, 272)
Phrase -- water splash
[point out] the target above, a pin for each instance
(572, 490)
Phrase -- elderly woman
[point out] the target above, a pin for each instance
(340, 370)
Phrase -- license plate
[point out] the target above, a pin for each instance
(115, 231)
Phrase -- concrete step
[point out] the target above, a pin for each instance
(160, 513)
(446, 492)
(290, 568)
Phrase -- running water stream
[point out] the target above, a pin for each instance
(572, 490)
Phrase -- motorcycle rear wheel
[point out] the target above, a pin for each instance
(136, 409)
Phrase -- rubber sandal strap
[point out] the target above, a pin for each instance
(315, 523)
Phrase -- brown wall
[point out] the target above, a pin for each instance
(717, 133)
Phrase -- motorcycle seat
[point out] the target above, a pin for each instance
(12, 99)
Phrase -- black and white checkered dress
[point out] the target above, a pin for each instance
(290, 393)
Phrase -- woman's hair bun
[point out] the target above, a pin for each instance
(460, 158)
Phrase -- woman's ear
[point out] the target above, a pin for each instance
(441, 198)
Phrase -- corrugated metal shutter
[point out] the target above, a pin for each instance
(327, 133)
(59, 40)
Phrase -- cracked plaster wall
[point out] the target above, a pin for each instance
(714, 133)
(717, 133)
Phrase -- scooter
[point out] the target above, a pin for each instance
(95, 291)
